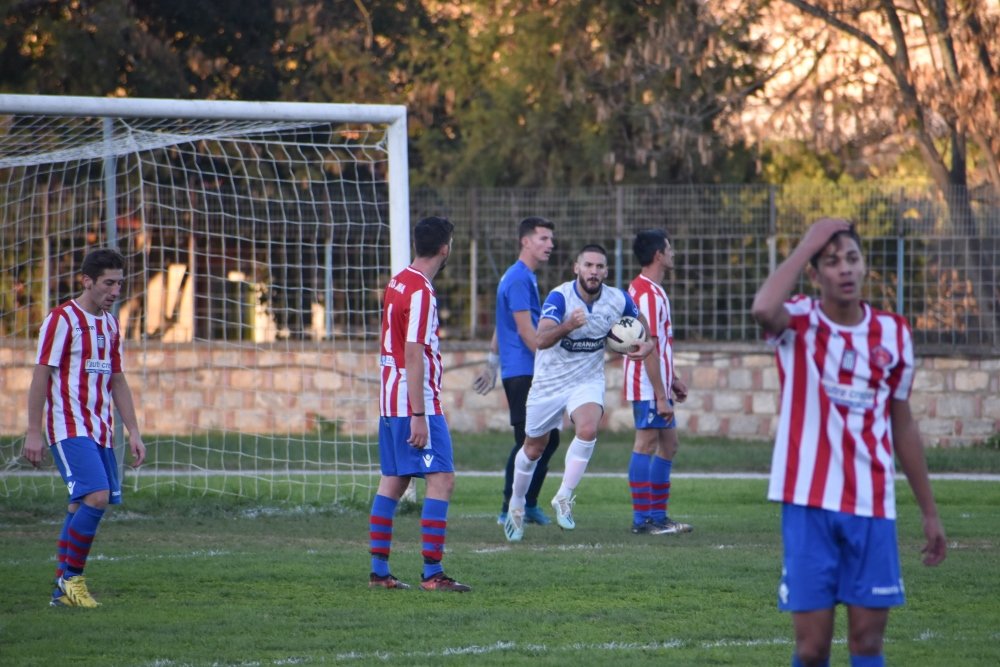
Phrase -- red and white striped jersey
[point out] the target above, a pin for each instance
(834, 447)
(652, 301)
(85, 350)
(409, 315)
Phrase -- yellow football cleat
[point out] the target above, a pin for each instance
(75, 590)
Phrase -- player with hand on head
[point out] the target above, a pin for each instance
(569, 377)
(648, 385)
(78, 377)
(846, 374)
(512, 349)
(413, 437)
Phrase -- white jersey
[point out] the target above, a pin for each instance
(578, 358)
(834, 448)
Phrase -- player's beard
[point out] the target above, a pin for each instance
(585, 286)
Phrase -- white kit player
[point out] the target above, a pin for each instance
(569, 377)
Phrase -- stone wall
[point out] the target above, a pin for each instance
(733, 391)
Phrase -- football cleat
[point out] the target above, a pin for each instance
(669, 527)
(442, 582)
(513, 527)
(564, 512)
(388, 581)
(537, 516)
(60, 601)
(75, 590)
(501, 518)
(641, 528)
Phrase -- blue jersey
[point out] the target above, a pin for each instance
(517, 291)
(579, 357)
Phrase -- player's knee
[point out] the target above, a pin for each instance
(812, 654)
(440, 485)
(98, 499)
(864, 642)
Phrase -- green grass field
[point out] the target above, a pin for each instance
(208, 580)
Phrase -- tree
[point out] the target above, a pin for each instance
(924, 71)
(873, 73)
(527, 92)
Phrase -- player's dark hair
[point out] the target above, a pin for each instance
(850, 233)
(430, 234)
(98, 261)
(647, 243)
(530, 224)
(593, 247)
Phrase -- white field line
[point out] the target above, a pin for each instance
(132, 474)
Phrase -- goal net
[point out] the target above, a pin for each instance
(258, 238)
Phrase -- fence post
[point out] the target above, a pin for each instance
(772, 230)
(619, 232)
(473, 265)
(900, 249)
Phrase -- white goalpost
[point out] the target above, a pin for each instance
(258, 237)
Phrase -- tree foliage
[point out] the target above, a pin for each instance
(870, 78)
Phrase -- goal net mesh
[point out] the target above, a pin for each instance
(256, 253)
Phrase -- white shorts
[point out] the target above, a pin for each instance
(545, 408)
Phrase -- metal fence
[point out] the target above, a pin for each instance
(931, 258)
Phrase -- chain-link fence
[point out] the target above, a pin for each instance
(931, 258)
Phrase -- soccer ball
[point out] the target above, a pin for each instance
(625, 335)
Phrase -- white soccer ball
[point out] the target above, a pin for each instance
(625, 335)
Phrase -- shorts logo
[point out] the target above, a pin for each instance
(70, 486)
(428, 458)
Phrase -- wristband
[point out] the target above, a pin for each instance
(418, 414)
(493, 360)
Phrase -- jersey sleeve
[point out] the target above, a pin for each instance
(901, 377)
(116, 349)
(54, 339)
(554, 307)
(629, 308)
(519, 296)
(418, 328)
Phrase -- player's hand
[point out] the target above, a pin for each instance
(680, 390)
(641, 351)
(418, 432)
(34, 448)
(577, 318)
(487, 378)
(937, 547)
(821, 231)
(138, 448)
(664, 409)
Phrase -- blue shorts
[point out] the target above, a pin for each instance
(834, 557)
(645, 415)
(398, 459)
(87, 467)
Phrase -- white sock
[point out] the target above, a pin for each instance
(524, 469)
(577, 457)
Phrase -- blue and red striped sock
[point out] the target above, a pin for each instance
(433, 526)
(638, 483)
(659, 488)
(61, 548)
(380, 533)
(79, 538)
